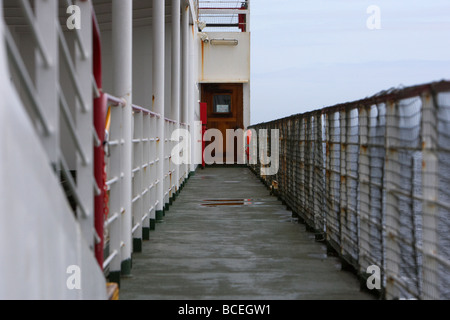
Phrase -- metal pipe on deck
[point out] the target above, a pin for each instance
(122, 34)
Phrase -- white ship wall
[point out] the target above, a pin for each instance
(226, 63)
(39, 236)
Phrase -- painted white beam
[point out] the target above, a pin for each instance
(122, 35)
(176, 71)
(158, 96)
(185, 70)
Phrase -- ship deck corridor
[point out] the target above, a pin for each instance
(225, 237)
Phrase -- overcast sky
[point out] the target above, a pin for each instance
(309, 54)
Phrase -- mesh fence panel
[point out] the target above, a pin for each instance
(372, 179)
(443, 128)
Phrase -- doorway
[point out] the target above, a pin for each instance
(225, 110)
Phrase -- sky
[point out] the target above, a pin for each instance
(310, 54)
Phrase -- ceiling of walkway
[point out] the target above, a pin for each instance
(142, 12)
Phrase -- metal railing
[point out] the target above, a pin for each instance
(170, 169)
(61, 114)
(114, 175)
(144, 177)
(145, 160)
(59, 90)
(224, 15)
(371, 178)
(183, 170)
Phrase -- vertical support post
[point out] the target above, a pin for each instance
(122, 33)
(47, 77)
(291, 189)
(185, 81)
(364, 191)
(193, 102)
(295, 170)
(392, 169)
(138, 159)
(309, 156)
(312, 161)
(285, 124)
(147, 181)
(343, 182)
(327, 172)
(158, 97)
(84, 121)
(176, 77)
(318, 188)
(167, 165)
(430, 187)
(302, 168)
(351, 188)
(115, 192)
(332, 221)
(153, 170)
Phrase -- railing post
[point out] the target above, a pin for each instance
(318, 179)
(167, 165)
(302, 165)
(47, 77)
(138, 172)
(296, 164)
(364, 191)
(333, 221)
(115, 192)
(392, 214)
(158, 97)
(176, 77)
(309, 173)
(343, 180)
(292, 162)
(147, 181)
(84, 121)
(328, 191)
(122, 33)
(153, 170)
(185, 80)
(430, 187)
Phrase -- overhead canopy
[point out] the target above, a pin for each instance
(142, 12)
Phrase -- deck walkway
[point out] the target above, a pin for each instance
(246, 248)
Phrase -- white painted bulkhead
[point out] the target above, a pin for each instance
(224, 57)
(40, 240)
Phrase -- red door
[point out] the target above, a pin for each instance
(204, 119)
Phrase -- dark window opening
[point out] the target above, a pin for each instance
(222, 104)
